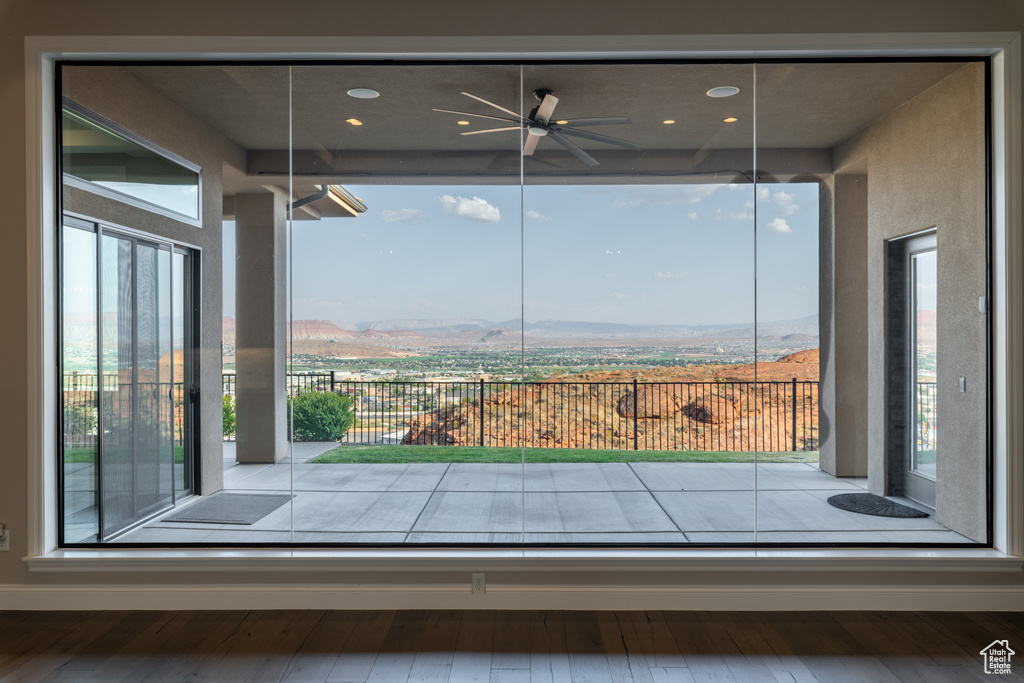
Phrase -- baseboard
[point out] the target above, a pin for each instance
(448, 596)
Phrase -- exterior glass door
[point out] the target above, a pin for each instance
(130, 417)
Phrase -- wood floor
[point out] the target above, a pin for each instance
(505, 647)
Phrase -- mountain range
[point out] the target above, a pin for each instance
(470, 329)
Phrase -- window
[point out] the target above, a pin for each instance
(597, 329)
(100, 156)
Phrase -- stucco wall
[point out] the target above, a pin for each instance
(705, 20)
(926, 168)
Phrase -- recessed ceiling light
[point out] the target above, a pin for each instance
(731, 119)
(363, 93)
(668, 122)
(562, 122)
(462, 123)
(354, 122)
(723, 91)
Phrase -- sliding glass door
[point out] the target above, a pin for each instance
(125, 371)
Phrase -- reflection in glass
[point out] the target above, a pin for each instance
(182, 460)
(154, 445)
(924, 274)
(100, 156)
(80, 385)
(118, 382)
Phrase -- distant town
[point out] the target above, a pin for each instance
(463, 350)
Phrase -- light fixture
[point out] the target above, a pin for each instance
(350, 204)
(354, 122)
(562, 122)
(537, 130)
(363, 93)
(723, 91)
(668, 122)
(462, 123)
(731, 119)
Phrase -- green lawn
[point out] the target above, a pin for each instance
(427, 454)
(88, 455)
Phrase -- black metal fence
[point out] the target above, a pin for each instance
(81, 397)
(700, 416)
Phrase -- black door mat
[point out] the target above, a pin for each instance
(870, 504)
(230, 508)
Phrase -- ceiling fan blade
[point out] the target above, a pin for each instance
(600, 138)
(531, 144)
(610, 121)
(480, 116)
(546, 108)
(491, 130)
(579, 153)
(496, 106)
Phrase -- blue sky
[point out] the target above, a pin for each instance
(668, 254)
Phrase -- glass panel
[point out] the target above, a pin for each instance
(925, 282)
(81, 387)
(639, 305)
(154, 447)
(100, 156)
(406, 290)
(118, 382)
(179, 376)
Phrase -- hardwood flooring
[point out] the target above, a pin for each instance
(504, 647)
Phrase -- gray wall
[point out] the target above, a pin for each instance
(117, 95)
(926, 168)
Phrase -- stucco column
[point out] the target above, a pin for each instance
(260, 318)
(851, 327)
(844, 339)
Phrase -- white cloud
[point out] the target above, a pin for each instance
(475, 209)
(785, 202)
(536, 215)
(410, 216)
(665, 194)
(734, 215)
(692, 215)
(779, 225)
(664, 275)
(763, 192)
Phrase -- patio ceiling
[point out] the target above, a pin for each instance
(802, 111)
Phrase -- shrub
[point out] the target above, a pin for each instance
(229, 416)
(320, 416)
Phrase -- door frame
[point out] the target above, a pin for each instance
(188, 289)
(901, 374)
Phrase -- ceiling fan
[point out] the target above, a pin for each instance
(540, 123)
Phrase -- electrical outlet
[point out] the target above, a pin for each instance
(479, 584)
(5, 538)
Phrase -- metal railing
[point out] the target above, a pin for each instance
(699, 416)
(81, 405)
(926, 414)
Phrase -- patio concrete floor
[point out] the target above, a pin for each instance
(618, 503)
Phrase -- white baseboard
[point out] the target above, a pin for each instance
(447, 596)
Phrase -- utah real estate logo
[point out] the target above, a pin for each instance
(997, 657)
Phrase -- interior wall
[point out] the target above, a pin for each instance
(119, 96)
(449, 18)
(926, 168)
